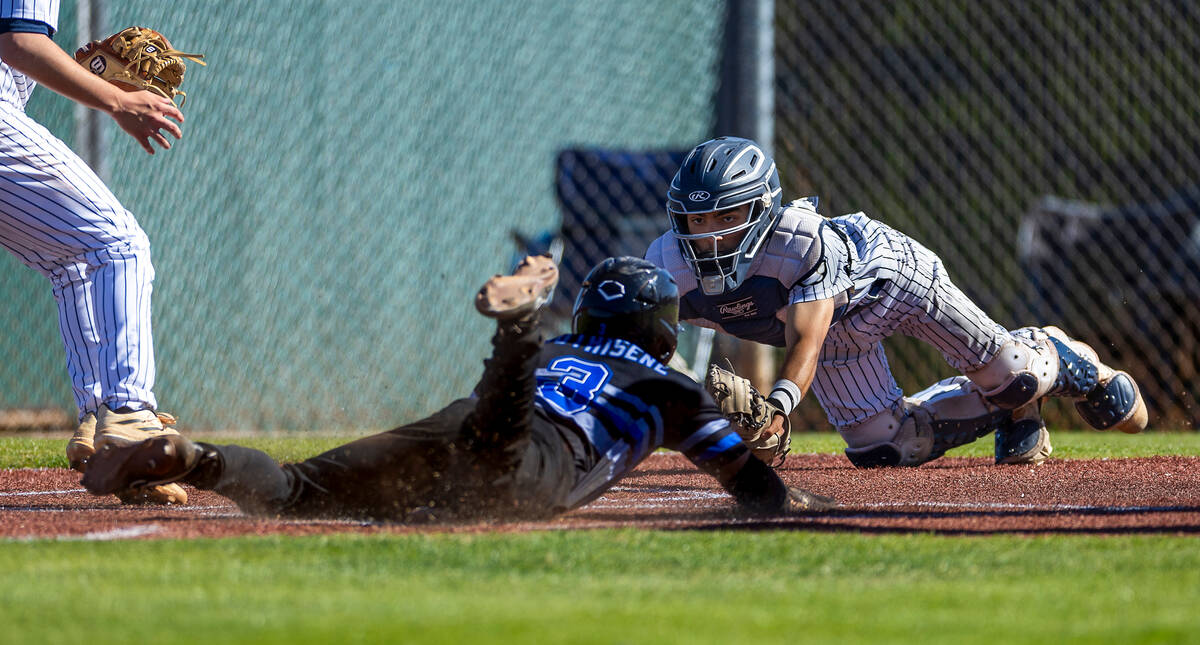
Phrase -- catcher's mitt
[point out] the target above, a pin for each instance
(138, 58)
(750, 413)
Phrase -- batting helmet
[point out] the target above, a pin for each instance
(724, 173)
(631, 299)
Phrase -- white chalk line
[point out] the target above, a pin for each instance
(665, 501)
(45, 492)
(111, 535)
(235, 514)
(123, 533)
(173, 508)
(668, 498)
(217, 511)
(1008, 506)
(141, 530)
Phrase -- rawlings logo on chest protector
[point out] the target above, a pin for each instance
(744, 308)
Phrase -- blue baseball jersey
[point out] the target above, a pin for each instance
(619, 404)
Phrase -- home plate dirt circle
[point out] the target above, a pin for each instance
(957, 496)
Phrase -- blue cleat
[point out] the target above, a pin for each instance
(1023, 439)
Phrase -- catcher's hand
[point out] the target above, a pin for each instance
(138, 58)
(750, 413)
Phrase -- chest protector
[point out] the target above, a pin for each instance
(793, 254)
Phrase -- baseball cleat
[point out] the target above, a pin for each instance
(1115, 402)
(127, 470)
(163, 495)
(509, 297)
(82, 446)
(125, 428)
(1023, 440)
(117, 429)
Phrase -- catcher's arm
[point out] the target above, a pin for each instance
(142, 114)
(804, 332)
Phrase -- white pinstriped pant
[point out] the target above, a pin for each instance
(853, 381)
(58, 218)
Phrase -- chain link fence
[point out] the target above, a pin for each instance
(1048, 151)
(350, 173)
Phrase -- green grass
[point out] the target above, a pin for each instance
(623, 586)
(626, 586)
(23, 452)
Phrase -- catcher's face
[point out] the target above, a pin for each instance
(726, 229)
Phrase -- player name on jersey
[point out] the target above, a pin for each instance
(613, 347)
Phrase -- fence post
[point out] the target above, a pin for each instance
(746, 108)
(90, 125)
(746, 96)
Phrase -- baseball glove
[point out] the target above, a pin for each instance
(750, 413)
(138, 58)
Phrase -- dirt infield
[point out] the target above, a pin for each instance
(952, 496)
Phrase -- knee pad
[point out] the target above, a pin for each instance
(1022, 372)
(877, 456)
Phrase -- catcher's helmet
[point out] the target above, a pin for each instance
(723, 173)
(632, 299)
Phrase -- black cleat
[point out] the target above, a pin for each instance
(153, 462)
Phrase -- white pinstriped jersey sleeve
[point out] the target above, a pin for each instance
(832, 275)
(40, 10)
(15, 87)
(870, 251)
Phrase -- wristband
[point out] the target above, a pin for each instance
(786, 395)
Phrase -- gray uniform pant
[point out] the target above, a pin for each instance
(853, 381)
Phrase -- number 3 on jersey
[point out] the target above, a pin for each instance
(575, 383)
